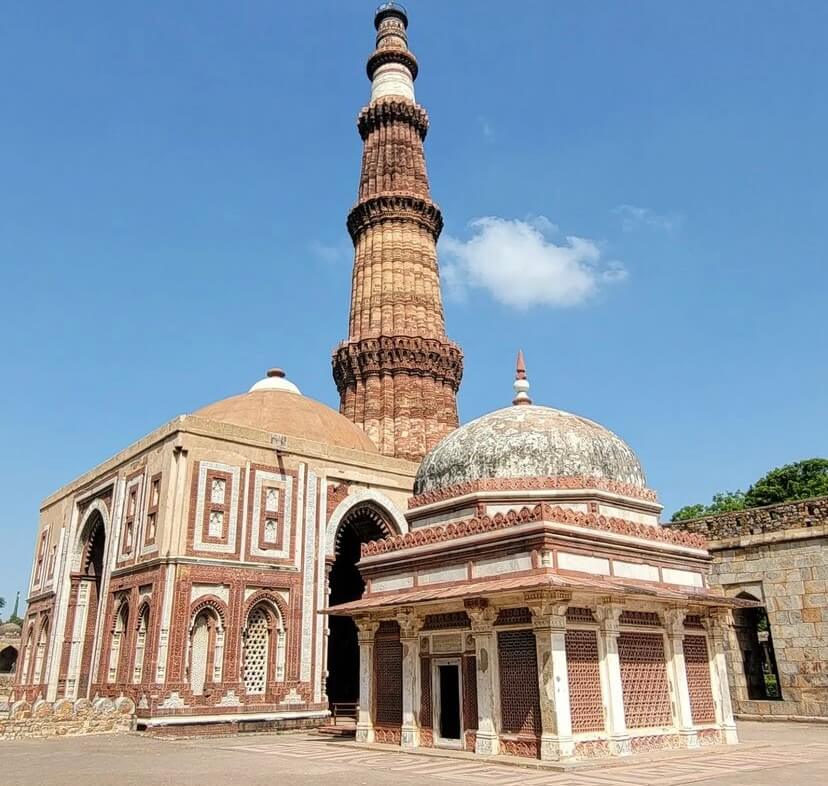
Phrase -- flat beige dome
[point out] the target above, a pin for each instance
(283, 410)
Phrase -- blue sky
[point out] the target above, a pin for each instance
(176, 178)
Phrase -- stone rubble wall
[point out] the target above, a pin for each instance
(758, 521)
(778, 554)
(66, 718)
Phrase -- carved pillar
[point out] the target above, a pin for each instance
(488, 698)
(718, 624)
(608, 615)
(549, 622)
(677, 671)
(366, 629)
(410, 625)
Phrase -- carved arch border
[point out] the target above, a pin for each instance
(86, 528)
(270, 597)
(363, 497)
(212, 602)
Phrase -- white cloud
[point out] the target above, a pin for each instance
(519, 265)
(634, 217)
(326, 253)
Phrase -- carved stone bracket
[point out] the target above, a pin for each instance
(396, 207)
(355, 360)
(674, 622)
(366, 629)
(392, 110)
(410, 623)
(608, 613)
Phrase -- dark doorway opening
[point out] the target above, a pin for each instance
(346, 584)
(449, 677)
(92, 568)
(758, 657)
(8, 660)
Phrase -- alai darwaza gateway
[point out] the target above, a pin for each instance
(501, 587)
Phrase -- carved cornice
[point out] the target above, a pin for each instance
(543, 512)
(382, 57)
(356, 360)
(386, 111)
(395, 207)
(569, 482)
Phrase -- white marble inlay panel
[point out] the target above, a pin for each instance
(437, 575)
(259, 521)
(633, 570)
(309, 557)
(221, 591)
(583, 563)
(500, 565)
(235, 473)
(388, 583)
(686, 577)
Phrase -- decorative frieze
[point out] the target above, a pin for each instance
(543, 512)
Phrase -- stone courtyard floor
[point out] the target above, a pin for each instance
(791, 754)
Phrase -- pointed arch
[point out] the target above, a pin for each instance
(40, 661)
(205, 656)
(141, 634)
(263, 643)
(375, 503)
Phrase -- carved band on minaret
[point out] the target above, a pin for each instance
(397, 373)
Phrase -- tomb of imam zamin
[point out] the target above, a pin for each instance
(501, 587)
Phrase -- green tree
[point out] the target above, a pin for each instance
(803, 479)
(689, 512)
(725, 502)
(2, 604)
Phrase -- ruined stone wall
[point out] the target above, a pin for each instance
(65, 718)
(778, 554)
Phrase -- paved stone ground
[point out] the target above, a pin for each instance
(780, 753)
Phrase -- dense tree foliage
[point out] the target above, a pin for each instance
(804, 479)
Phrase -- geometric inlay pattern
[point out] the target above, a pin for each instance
(647, 618)
(425, 693)
(584, 680)
(519, 693)
(698, 679)
(256, 649)
(388, 671)
(644, 680)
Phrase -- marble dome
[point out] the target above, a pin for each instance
(528, 441)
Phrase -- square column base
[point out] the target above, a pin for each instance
(689, 738)
(554, 748)
(487, 744)
(620, 745)
(729, 735)
(409, 737)
(364, 733)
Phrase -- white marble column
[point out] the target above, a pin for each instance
(366, 628)
(549, 622)
(677, 672)
(717, 624)
(608, 615)
(410, 626)
(488, 696)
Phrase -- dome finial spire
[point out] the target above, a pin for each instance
(521, 385)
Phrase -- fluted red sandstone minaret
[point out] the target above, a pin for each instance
(397, 373)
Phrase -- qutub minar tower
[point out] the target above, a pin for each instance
(397, 373)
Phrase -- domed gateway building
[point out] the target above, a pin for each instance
(503, 587)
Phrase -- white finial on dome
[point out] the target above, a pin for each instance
(276, 380)
(521, 385)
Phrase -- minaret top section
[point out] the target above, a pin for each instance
(392, 69)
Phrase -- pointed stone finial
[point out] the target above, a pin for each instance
(521, 385)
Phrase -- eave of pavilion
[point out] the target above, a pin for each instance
(590, 589)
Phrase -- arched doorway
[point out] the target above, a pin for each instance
(91, 569)
(360, 525)
(8, 660)
(756, 646)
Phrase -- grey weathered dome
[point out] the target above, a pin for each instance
(528, 442)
